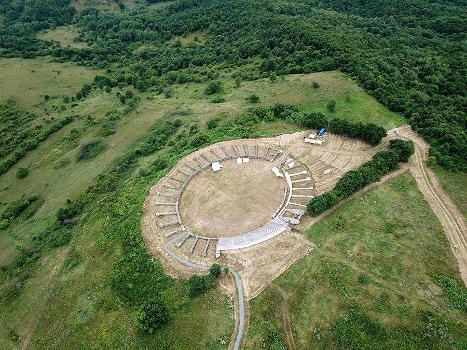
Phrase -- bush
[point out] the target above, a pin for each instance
(321, 203)
(431, 161)
(314, 120)
(315, 85)
(152, 315)
(213, 87)
(15, 208)
(253, 98)
(22, 173)
(199, 140)
(331, 106)
(91, 150)
(348, 184)
(198, 285)
(215, 270)
(404, 149)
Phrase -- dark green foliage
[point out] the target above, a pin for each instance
(315, 85)
(91, 150)
(321, 203)
(404, 149)
(382, 163)
(409, 56)
(15, 208)
(136, 277)
(253, 98)
(200, 140)
(21, 173)
(213, 87)
(213, 123)
(198, 285)
(215, 270)
(453, 290)
(152, 315)
(314, 120)
(351, 182)
(331, 106)
(371, 133)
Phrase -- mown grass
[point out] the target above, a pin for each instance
(372, 282)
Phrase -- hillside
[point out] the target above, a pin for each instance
(102, 100)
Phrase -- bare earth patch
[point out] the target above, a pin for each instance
(234, 200)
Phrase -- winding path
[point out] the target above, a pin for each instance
(240, 328)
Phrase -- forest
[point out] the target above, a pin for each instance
(410, 56)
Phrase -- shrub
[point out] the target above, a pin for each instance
(212, 123)
(15, 208)
(213, 87)
(215, 270)
(314, 120)
(198, 285)
(152, 315)
(321, 203)
(404, 149)
(22, 173)
(431, 161)
(253, 98)
(381, 164)
(331, 106)
(217, 99)
(91, 150)
(348, 184)
(199, 140)
(315, 85)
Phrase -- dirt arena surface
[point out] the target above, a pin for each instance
(234, 200)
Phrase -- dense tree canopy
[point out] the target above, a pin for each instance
(409, 55)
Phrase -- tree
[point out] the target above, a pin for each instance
(331, 106)
(152, 315)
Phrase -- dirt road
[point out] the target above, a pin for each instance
(448, 214)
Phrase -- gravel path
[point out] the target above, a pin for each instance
(238, 283)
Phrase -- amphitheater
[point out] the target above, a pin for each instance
(259, 191)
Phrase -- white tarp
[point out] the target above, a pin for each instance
(216, 166)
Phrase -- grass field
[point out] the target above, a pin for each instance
(64, 35)
(57, 305)
(27, 81)
(373, 282)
